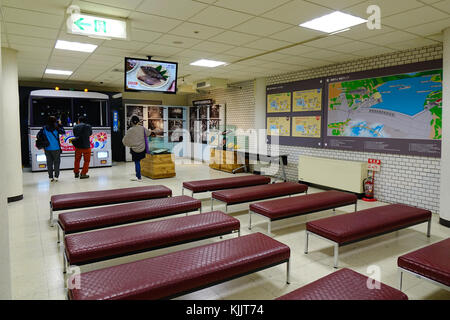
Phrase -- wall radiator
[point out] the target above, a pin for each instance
(336, 174)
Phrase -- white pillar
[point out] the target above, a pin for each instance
(5, 273)
(260, 103)
(10, 121)
(445, 161)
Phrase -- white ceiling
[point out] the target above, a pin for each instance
(226, 30)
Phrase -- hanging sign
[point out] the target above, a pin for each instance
(87, 25)
(115, 121)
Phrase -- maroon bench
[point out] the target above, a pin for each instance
(90, 247)
(256, 193)
(431, 263)
(97, 218)
(105, 197)
(225, 183)
(287, 208)
(182, 272)
(357, 226)
(344, 284)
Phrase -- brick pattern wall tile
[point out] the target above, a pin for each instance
(403, 179)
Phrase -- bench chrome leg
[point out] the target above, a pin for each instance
(429, 229)
(269, 228)
(336, 255)
(356, 206)
(65, 262)
(51, 216)
(200, 210)
(401, 280)
(288, 271)
(226, 208)
(239, 232)
(306, 242)
(212, 205)
(58, 231)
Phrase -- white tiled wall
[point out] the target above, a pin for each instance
(403, 179)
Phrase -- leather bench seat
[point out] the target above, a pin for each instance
(106, 197)
(255, 193)
(102, 217)
(284, 208)
(100, 245)
(225, 183)
(358, 225)
(184, 271)
(344, 284)
(432, 262)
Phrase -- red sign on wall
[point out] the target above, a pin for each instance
(374, 165)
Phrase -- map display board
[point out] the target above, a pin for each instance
(308, 100)
(395, 112)
(307, 127)
(280, 126)
(279, 102)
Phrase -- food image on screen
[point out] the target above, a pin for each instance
(143, 75)
(175, 113)
(131, 65)
(155, 112)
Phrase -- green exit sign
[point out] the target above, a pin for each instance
(88, 25)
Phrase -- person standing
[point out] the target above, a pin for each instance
(53, 151)
(136, 139)
(82, 132)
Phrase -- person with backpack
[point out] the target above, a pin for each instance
(136, 139)
(82, 132)
(48, 138)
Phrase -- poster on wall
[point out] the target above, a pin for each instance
(279, 102)
(307, 100)
(156, 126)
(155, 112)
(279, 126)
(395, 112)
(176, 113)
(307, 127)
(134, 111)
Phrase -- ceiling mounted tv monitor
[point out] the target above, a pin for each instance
(151, 75)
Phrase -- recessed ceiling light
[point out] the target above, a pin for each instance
(208, 63)
(178, 42)
(333, 22)
(58, 72)
(75, 46)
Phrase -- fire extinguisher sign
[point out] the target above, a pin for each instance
(374, 165)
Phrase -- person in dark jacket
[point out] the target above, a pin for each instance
(82, 132)
(53, 152)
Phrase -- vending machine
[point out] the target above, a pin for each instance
(67, 107)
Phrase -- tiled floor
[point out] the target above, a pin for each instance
(36, 260)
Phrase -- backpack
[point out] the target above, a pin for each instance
(41, 140)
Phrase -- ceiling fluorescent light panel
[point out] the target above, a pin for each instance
(207, 63)
(333, 22)
(75, 46)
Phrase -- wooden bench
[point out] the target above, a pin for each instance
(344, 284)
(105, 197)
(431, 263)
(291, 207)
(178, 273)
(256, 193)
(357, 226)
(90, 247)
(103, 217)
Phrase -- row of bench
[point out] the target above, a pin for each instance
(82, 248)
